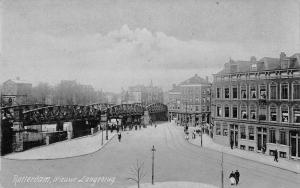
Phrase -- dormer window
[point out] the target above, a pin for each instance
(254, 67)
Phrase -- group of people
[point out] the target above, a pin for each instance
(234, 177)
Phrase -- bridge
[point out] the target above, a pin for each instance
(18, 119)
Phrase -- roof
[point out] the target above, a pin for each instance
(194, 80)
(18, 81)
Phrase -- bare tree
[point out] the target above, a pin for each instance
(137, 172)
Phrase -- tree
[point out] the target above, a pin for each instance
(137, 172)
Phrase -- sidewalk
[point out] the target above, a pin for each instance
(285, 164)
(64, 149)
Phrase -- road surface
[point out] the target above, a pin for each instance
(175, 160)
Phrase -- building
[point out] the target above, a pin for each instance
(15, 92)
(143, 94)
(189, 101)
(256, 105)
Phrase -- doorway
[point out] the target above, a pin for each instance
(261, 138)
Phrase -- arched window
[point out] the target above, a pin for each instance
(226, 111)
(262, 92)
(263, 112)
(243, 92)
(244, 111)
(219, 111)
(284, 114)
(284, 91)
(296, 114)
(253, 92)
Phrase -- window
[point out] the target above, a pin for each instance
(263, 113)
(273, 91)
(218, 129)
(243, 93)
(250, 148)
(282, 138)
(218, 93)
(253, 92)
(284, 114)
(243, 132)
(234, 112)
(296, 114)
(272, 136)
(253, 112)
(263, 92)
(242, 147)
(251, 133)
(243, 112)
(197, 108)
(254, 67)
(226, 93)
(273, 114)
(219, 111)
(226, 111)
(225, 132)
(284, 91)
(234, 93)
(296, 91)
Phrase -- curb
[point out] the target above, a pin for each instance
(62, 157)
(296, 172)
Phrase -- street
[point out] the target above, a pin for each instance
(175, 160)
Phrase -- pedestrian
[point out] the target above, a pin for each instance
(187, 135)
(194, 134)
(119, 136)
(231, 144)
(232, 178)
(237, 176)
(276, 156)
(155, 125)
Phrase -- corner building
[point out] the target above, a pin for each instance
(256, 105)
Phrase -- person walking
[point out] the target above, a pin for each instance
(231, 144)
(119, 136)
(232, 178)
(237, 176)
(276, 156)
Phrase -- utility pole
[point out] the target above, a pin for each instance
(222, 173)
(102, 135)
(153, 150)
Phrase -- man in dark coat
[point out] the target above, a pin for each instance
(276, 156)
(237, 176)
(231, 144)
(119, 136)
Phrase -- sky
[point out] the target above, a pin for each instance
(111, 44)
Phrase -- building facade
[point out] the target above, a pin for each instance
(189, 101)
(15, 92)
(256, 105)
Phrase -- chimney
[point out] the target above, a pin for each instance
(282, 56)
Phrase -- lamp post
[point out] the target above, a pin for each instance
(153, 150)
(222, 172)
(102, 135)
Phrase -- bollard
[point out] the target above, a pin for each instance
(47, 140)
(69, 135)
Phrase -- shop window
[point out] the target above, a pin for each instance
(226, 111)
(282, 138)
(296, 91)
(243, 132)
(242, 147)
(284, 114)
(251, 133)
(296, 114)
(263, 92)
(234, 112)
(272, 136)
(250, 148)
(226, 93)
(273, 114)
(273, 91)
(284, 91)
(253, 92)
(262, 113)
(225, 130)
(234, 93)
(282, 154)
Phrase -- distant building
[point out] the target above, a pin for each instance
(256, 105)
(143, 94)
(15, 92)
(189, 102)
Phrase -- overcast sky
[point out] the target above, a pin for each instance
(116, 43)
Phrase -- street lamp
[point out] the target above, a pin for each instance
(153, 150)
(222, 172)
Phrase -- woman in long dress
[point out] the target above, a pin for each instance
(232, 178)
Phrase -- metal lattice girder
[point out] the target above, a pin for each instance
(157, 108)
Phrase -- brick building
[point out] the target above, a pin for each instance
(15, 92)
(256, 105)
(189, 101)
